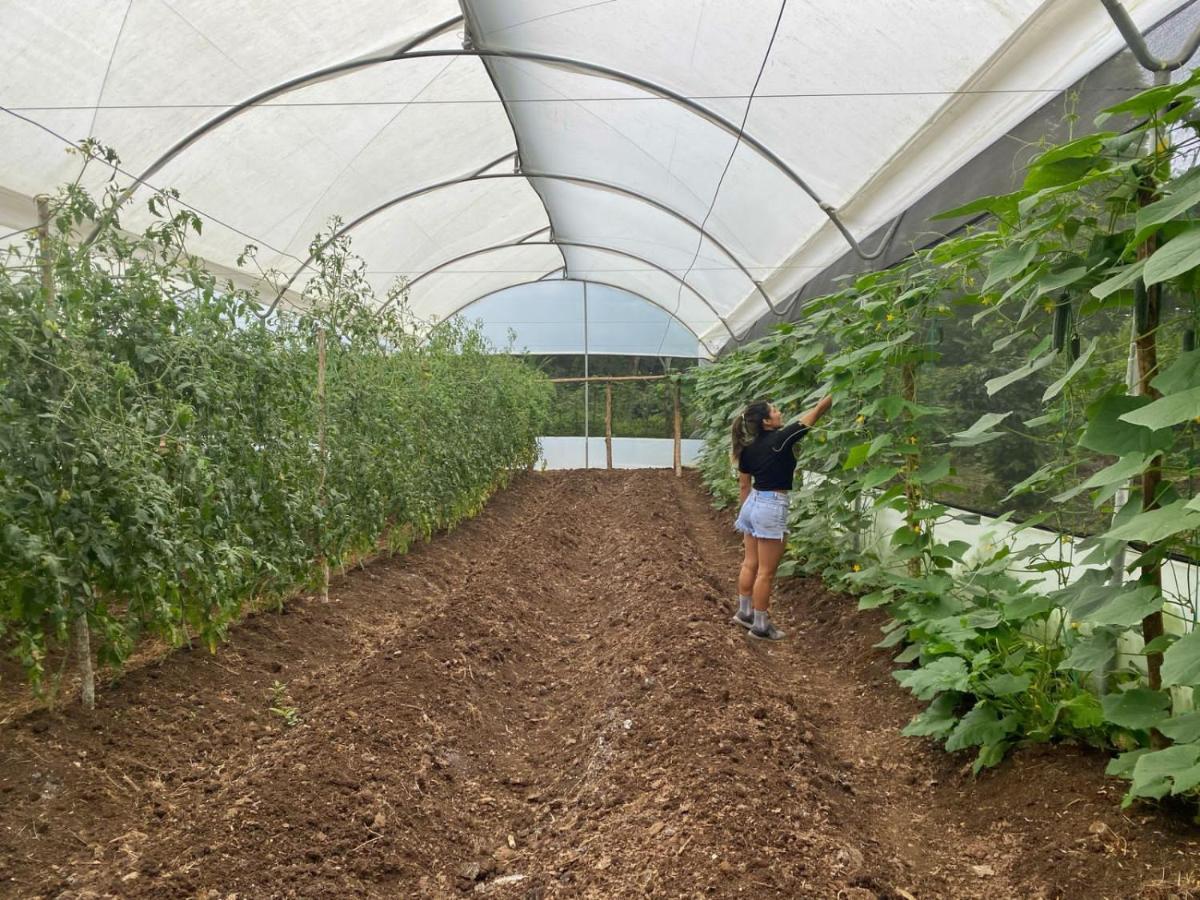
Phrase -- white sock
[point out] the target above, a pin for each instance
(745, 606)
(762, 620)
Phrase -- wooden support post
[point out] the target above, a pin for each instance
(608, 424)
(678, 433)
(321, 416)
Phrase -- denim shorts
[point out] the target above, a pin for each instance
(764, 515)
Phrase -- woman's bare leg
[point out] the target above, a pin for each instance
(749, 569)
(769, 553)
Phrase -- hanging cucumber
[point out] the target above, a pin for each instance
(1189, 340)
(1062, 318)
(1141, 307)
(1073, 348)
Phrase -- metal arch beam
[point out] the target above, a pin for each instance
(690, 330)
(1137, 43)
(546, 277)
(523, 242)
(406, 51)
(481, 174)
(349, 226)
(674, 96)
(269, 94)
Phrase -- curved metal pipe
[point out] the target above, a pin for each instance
(481, 175)
(269, 94)
(508, 245)
(1137, 43)
(616, 287)
(522, 56)
(349, 226)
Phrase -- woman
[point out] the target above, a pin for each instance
(762, 449)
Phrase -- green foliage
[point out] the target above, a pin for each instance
(1056, 287)
(161, 460)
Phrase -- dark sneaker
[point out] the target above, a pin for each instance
(747, 622)
(771, 634)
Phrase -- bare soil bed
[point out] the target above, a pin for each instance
(550, 702)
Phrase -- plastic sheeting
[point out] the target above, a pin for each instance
(548, 317)
(871, 104)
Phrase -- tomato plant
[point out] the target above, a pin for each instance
(166, 455)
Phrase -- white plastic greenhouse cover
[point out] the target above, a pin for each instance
(660, 150)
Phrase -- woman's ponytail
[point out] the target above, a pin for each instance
(747, 425)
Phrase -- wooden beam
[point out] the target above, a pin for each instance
(594, 379)
(608, 424)
(678, 435)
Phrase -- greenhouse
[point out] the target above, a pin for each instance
(600, 448)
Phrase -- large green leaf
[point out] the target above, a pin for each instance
(995, 385)
(1003, 205)
(981, 432)
(1157, 524)
(982, 725)
(1092, 599)
(1092, 653)
(1167, 411)
(1178, 255)
(1126, 605)
(1121, 278)
(1182, 375)
(1005, 684)
(1184, 729)
(1139, 708)
(1143, 104)
(856, 456)
(1009, 261)
(1076, 367)
(1159, 772)
(1054, 282)
(879, 475)
(936, 720)
(1122, 766)
(934, 470)
(1058, 172)
(947, 673)
(1121, 471)
(1107, 433)
(1181, 195)
(1181, 662)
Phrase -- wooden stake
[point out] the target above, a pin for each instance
(678, 434)
(608, 424)
(83, 657)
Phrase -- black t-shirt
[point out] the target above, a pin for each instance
(769, 460)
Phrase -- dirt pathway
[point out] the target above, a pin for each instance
(549, 703)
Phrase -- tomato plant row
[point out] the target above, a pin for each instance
(166, 456)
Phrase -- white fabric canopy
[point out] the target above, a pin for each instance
(644, 126)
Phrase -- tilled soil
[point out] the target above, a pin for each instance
(551, 702)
